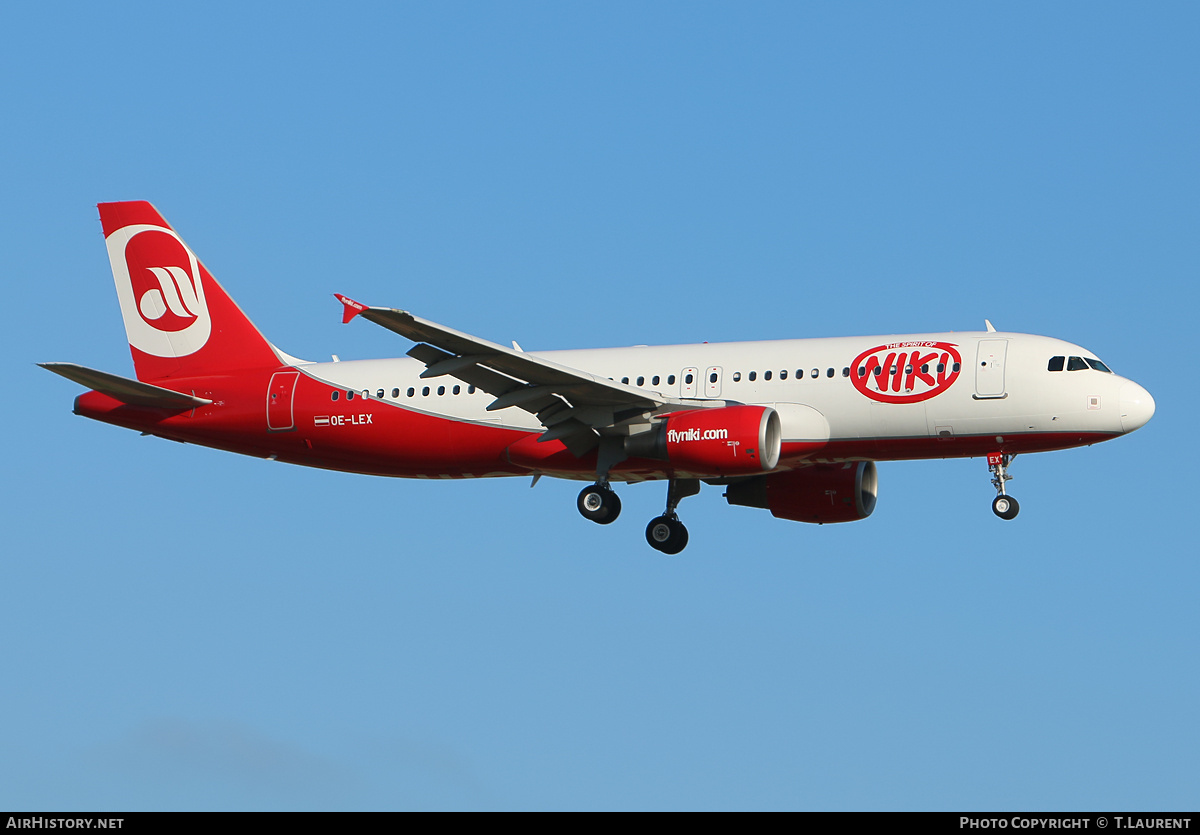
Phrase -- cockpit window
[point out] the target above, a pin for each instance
(1096, 364)
(1056, 364)
(1076, 364)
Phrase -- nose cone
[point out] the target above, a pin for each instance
(1137, 407)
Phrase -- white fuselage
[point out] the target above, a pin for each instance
(809, 381)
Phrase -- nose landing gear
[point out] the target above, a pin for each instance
(1004, 505)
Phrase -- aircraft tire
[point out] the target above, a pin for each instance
(666, 535)
(1006, 507)
(599, 504)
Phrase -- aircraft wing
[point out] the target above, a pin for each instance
(132, 392)
(574, 406)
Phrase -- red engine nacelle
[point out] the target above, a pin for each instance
(731, 440)
(820, 494)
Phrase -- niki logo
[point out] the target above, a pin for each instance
(160, 289)
(906, 372)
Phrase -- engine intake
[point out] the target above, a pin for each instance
(822, 493)
(731, 440)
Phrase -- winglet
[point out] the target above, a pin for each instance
(352, 308)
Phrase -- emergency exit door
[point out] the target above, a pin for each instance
(712, 382)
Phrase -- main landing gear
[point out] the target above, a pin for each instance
(598, 503)
(666, 533)
(1004, 505)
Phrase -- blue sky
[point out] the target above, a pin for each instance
(187, 629)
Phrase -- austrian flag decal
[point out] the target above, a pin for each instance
(906, 372)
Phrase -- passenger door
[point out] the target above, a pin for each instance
(280, 394)
(989, 369)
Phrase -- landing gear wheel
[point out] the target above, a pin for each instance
(599, 504)
(1006, 507)
(667, 535)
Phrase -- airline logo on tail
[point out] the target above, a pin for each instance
(160, 290)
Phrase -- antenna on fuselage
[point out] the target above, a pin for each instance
(990, 327)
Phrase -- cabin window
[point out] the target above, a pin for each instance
(625, 381)
(799, 373)
(766, 375)
(349, 395)
(846, 371)
(641, 381)
(379, 394)
(671, 380)
(425, 391)
(470, 389)
(712, 378)
(395, 393)
(411, 391)
(457, 389)
(654, 380)
(1076, 364)
(737, 376)
(689, 379)
(955, 368)
(334, 396)
(1056, 364)
(816, 372)
(441, 390)
(862, 372)
(877, 370)
(752, 376)
(829, 372)
(783, 374)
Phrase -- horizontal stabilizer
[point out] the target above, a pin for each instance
(127, 391)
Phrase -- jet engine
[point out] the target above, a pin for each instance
(727, 441)
(821, 493)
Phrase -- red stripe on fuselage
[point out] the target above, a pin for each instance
(381, 437)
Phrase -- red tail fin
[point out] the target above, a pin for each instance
(179, 321)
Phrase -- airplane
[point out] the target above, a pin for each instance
(791, 426)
